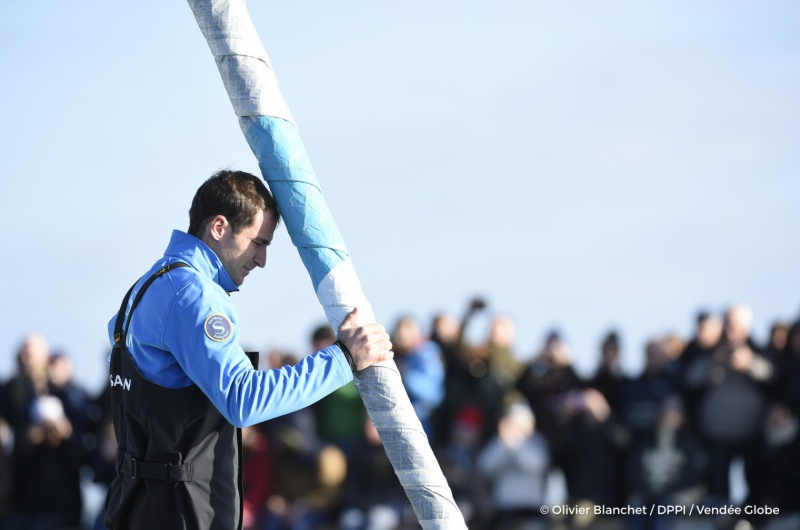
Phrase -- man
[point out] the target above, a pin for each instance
(182, 385)
(421, 368)
(340, 416)
(729, 387)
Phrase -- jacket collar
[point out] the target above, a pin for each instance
(193, 251)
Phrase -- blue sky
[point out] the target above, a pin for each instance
(582, 165)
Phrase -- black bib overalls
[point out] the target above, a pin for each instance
(179, 459)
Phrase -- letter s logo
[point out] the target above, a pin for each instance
(218, 327)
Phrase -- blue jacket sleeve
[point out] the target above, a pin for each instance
(219, 366)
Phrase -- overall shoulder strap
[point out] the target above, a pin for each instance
(119, 333)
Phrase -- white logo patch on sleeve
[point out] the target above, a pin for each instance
(218, 328)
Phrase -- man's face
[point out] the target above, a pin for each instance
(736, 327)
(407, 336)
(247, 249)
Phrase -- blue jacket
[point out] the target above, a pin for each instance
(423, 374)
(185, 331)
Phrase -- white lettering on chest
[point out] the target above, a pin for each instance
(116, 380)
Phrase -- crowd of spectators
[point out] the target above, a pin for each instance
(500, 427)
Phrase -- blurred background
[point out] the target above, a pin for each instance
(580, 168)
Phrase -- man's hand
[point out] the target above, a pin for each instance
(742, 359)
(368, 344)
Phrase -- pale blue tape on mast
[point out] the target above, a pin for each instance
(286, 167)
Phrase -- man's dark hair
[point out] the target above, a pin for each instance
(611, 340)
(323, 333)
(702, 316)
(237, 195)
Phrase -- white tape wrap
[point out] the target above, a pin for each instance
(241, 58)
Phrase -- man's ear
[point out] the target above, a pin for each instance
(217, 227)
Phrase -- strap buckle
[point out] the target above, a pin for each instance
(134, 472)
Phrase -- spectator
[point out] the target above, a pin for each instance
(295, 451)
(46, 471)
(446, 332)
(775, 466)
(374, 498)
(774, 352)
(469, 386)
(590, 449)
(498, 352)
(420, 363)
(642, 397)
(340, 414)
(674, 346)
(547, 378)
(315, 503)
(103, 461)
(788, 391)
(29, 382)
(516, 463)
(457, 458)
(666, 467)
(496, 355)
(778, 337)
(257, 476)
(503, 363)
(73, 396)
(608, 379)
(731, 387)
(6, 445)
(707, 334)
